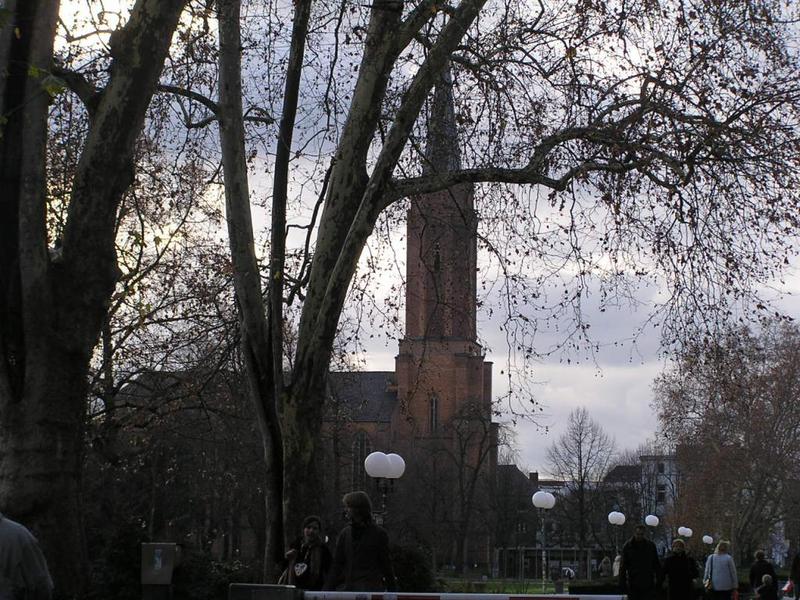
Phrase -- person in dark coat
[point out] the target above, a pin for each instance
(794, 576)
(309, 559)
(768, 590)
(679, 571)
(361, 559)
(760, 568)
(640, 570)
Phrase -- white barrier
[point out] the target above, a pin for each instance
(249, 591)
(409, 596)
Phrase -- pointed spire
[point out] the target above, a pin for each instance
(441, 149)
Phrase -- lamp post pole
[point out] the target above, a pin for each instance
(652, 522)
(617, 519)
(384, 468)
(543, 501)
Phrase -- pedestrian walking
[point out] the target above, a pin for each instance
(308, 558)
(794, 576)
(640, 570)
(720, 578)
(762, 567)
(361, 560)
(23, 568)
(679, 571)
(768, 590)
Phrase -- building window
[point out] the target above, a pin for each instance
(661, 468)
(361, 449)
(433, 414)
(661, 493)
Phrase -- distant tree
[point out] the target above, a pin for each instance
(731, 408)
(581, 457)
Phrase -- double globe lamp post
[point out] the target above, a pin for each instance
(384, 469)
(617, 519)
(543, 501)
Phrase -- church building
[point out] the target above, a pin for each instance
(435, 409)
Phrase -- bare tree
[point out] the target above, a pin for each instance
(581, 457)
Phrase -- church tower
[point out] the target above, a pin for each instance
(440, 369)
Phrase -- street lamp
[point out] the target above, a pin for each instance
(543, 501)
(616, 518)
(384, 468)
(651, 521)
(708, 541)
(685, 532)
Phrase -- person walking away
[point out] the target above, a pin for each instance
(640, 569)
(720, 577)
(768, 590)
(606, 569)
(679, 571)
(309, 559)
(361, 560)
(759, 568)
(794, 576)
(23, 568)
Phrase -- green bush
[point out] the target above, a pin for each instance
(412, 567)
(200, 578)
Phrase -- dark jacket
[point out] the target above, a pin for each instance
(679, 571)
(757, 572)
(308, 568)
(640, 569)
(767, 592)
(361, 561)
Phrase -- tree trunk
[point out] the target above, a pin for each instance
(52, 310)
(40, 460)
(258, 354)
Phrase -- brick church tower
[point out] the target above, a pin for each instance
(440, 369)
(435, 409)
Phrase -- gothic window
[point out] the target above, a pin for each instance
(660, 467)
(661, 493)
(361, 448)
(433, 417)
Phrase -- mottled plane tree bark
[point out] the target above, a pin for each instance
(53, 304)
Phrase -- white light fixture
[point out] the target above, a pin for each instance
(377, 465)
(687, 532)
(707, 539)
(544, 500)
(397, 466)
(651, 521)
(616, 518)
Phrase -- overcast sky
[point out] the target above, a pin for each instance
(615, 385)
(616, 391)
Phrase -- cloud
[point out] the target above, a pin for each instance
(618, 397)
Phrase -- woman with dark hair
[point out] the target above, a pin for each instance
(309, 559)
(361, 559)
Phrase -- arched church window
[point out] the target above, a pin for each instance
(361, 449)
